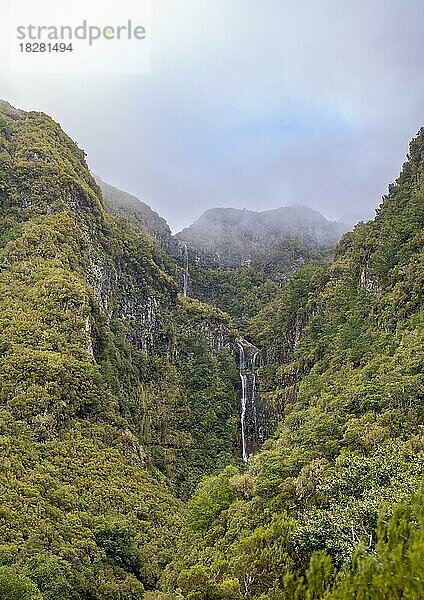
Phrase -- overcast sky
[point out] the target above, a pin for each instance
(253, 104)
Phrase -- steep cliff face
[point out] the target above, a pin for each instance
(47, 183)
(97, 405)
(233, 238)
(238, 260)
(74, 286)
(332, 505)
(258, 416)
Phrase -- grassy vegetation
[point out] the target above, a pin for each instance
(97, 427)
(332, 507)
(117, 397)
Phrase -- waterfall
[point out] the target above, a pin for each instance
(243, 377)
(185, 272)
(248, 363)
(254, 391)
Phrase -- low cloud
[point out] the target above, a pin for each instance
(252, 104)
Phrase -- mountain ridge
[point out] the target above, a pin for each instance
(123, 205)
(264, 227)
(294, 220)
(230, 238)
(117, 395)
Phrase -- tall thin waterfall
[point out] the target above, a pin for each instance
(248, 363)
(185, 272)
(254, 391)
(243, 377)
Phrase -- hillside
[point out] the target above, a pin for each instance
(332, 507)
(234, 259)
(126, 408)
(103, 423)
(231, 237)
(238, 259)
(122, 205)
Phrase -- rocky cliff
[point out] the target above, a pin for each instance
(232, 238)
(112, 393)
(332, 506)
(118, 394)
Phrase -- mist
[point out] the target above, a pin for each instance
(252, 105)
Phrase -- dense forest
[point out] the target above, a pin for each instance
(122, 476)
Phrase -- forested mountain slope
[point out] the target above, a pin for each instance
(332, 507)
(125, 206)
(232, 236)
(118, 395)
(101, 417)
(234, 259)
(238, 259)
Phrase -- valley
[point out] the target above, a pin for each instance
(233, 412)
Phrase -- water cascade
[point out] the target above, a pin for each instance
(243, 377)
(250, 431)
(185, 271)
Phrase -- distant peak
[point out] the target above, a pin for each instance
(236, 235)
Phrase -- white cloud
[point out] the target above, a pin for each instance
(253, 104)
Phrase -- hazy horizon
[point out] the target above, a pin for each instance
(241, 208)
(251, 105)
